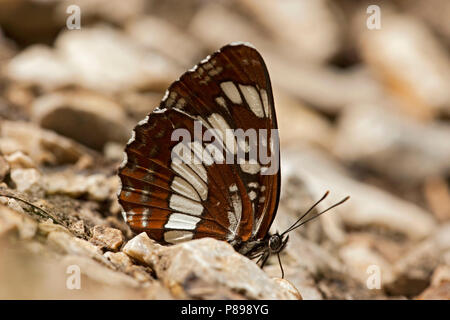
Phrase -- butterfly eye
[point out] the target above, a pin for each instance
(275, 242)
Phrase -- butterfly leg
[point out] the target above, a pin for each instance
(265, 255)
(281, 265)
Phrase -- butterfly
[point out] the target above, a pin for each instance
(223, 179)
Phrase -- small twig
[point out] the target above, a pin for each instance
(45, 214)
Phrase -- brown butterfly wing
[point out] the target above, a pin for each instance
(176, 201)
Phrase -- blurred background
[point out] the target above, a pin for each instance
(362, 95)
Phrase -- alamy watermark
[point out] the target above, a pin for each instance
(73, 21)
(73, 281)
(374, 279)
(373, 22)
(254, 150)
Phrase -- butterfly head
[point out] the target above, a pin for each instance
(277, 242)
(274, 245)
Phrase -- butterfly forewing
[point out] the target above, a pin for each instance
(174, 200)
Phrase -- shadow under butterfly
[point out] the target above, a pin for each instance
(236, 201)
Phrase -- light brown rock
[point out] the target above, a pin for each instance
(141, 248)
(359, 258)
(414, 269)
(48, 226)
(289, 287)
(106, 60)
(437, 194)
(71, 245)
(97, 187)
(43, 274)
(75, 113)
(155, 33)
(4, 168)
(39, 64)
(110, 238)
(284, 19)
(304, 123)
(374, 134)
(139, 104)
(100, 58)
(114, 11)
(19, 159)
(411, 64)
(301, 79)
(42, 146)
(124, 263)
(207, 263)
(435, 19)
(119, 259)
(368, 206)
(27, 180)
(100, 273)
(440, 285)
(11, 220)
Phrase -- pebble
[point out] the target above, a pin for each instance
(109, 238)
(27, 180)
(74, 113)
(207, 262)
(43, 147)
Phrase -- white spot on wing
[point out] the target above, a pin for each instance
(206, 59)
(124, 161)
(133, 137)
(143, 121)
(242, 43)
(219, 123)
(234, 218)
(231, 91)
(184, 188)
(252, 97)
(176, 236)
(194, 68)
(215, 71)
(251, 168)
(233, 226)
(181, 103)
(196, 165)
(253, 185)
(160, 110)
(201, 171)
(221, 102)
(166, 95)
(179, 203)
(119, 189)
(184, 171)
(182, 221)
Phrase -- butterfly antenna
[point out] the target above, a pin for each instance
(320, 213)
(292, 227)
